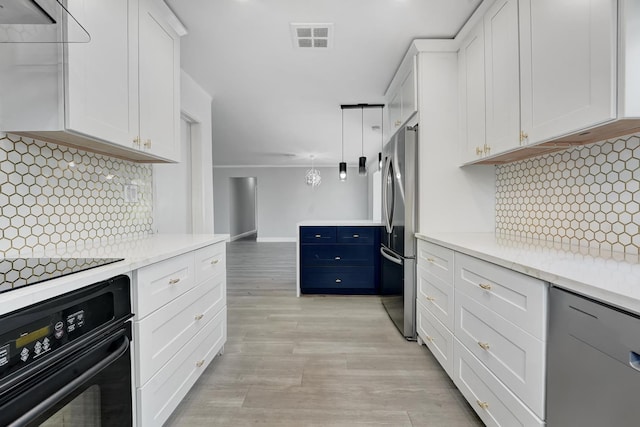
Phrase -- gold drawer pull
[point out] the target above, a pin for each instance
(483, 405)
(355, 236)
(136, 141)
(485, 286)
(199, 316)
(174, 281)
(199, 363)
(338, 258)
(338, 280)
(430, 339)
(430, 298)
(479, 151)
(147, 143)
(318, 236)
(398, 123)
(431, 260)
(483, 345)
(215, 261)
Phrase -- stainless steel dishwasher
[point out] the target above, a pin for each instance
(593, 363)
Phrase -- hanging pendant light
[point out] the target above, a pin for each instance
(342, 167)
(362, 161)
(313, 177)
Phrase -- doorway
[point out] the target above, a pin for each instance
(243, 197)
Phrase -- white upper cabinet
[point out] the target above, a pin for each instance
(159, 77)
(472, 93)
(568, 65)
(556, 73)
(502, 68)
(102, 92)
(117, 95)
(402, 95)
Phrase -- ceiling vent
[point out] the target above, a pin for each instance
(312, 36)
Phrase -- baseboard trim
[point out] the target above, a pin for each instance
(245, 234)
(276, 239)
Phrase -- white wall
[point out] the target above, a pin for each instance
(242, 206)
(284, 199)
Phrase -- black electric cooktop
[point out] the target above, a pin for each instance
(18, 272)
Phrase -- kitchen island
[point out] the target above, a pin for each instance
(338, 256)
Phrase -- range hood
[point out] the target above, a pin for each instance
(39, 21)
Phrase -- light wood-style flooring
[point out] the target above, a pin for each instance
(315, 360)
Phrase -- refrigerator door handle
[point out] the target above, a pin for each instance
(388, 216)
(390, 255)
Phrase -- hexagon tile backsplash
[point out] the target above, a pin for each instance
(589, 196)
(53, 196)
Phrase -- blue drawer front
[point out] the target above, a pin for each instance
(318, 234)
(361, 235)
(337, 279)
(336, 255)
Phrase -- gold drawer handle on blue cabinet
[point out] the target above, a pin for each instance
(338, 258)
(338, 280)
(355, 236)
(318, 236)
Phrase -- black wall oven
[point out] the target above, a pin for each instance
(66, 361)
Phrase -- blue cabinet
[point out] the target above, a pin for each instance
(339, 260)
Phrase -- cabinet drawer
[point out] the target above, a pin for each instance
(163, 333)
(159, 283)
(436, 295)
(337, 279)
(162, 394)
(317, 234)
(436, 337)
(210, 261)
(493, 402)
(361, 235)
(336, 255)
(514, 296)
(436, 260)
(515, 357)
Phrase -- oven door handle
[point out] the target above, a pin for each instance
(68, 388)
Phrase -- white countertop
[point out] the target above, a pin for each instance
(340, 223)
(609, 277)
(137, 253)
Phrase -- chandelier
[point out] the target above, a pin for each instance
(313, 177)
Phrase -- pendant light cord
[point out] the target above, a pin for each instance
(342, 134)
(362, 130)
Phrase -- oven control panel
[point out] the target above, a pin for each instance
(26, 344)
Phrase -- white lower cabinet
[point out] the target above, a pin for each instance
(180, 326)
(436, 337)
(491, 399)
(157, 399)
(486, 325)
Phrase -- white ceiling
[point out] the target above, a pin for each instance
(276, 105)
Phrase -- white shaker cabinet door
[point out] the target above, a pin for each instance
(472, 92)
(101, 82)
(568, 63)
(159, 77)
(502, 66)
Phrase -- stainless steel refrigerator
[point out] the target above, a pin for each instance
(398, 248)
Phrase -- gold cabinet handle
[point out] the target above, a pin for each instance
(136, 141)
(483, 345)
(199, 363)
(355, 236)
(147, 143)
(430, 298)
(487, 149)
(478, 151)
(483, 405)
(215, 261)
(523, 137)
(174, 281)
(431, 260)
(485, 286)
(318, 236)
(338, 280)
(338, 258)
(199, 316)
(398, 123)
(430, 339)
